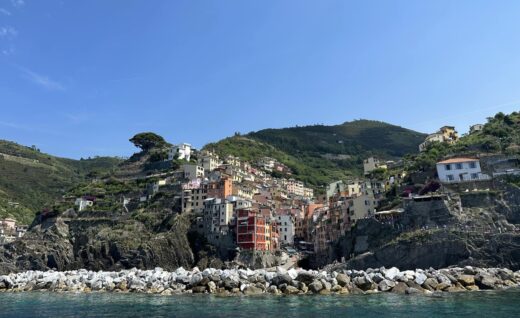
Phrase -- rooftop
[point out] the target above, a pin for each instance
(457, 160)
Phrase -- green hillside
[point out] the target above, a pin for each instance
(319, 154)
(501, 134)
(30, 180)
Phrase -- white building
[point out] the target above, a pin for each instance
(209, 161)
(457, 170)
(192, 171)
(182, 151)
(267, 163)
(294, 186)
(286, 228)
(232, 160)
(437, 137)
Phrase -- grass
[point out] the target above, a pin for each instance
(31, 180)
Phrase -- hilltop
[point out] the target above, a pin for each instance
(319, 154)
(31, 180)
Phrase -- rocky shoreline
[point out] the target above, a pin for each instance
(255, 282)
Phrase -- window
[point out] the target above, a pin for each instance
(473, 165)
(458, 166)
(474, 176)
(450, 177)
(448, 167)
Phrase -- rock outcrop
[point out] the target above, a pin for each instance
(99, 241)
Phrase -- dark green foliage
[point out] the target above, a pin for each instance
(147, 141)
(158, 156)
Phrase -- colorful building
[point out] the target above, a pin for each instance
(251, 231)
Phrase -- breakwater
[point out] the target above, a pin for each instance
(254, 282)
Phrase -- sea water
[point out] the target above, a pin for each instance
(493, 304)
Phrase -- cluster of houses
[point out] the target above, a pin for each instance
(240, 204)
(9, 230)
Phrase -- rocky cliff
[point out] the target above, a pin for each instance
(476, 228)
(100, 241)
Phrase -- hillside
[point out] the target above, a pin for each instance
(319, 154)
(30, 180)
(501, 134)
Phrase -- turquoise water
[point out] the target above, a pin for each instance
(44, 304)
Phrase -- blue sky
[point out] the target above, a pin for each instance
(79, 78)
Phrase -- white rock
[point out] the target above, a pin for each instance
(293, 273)
(391, 273)
(420, 278)
(195, 279)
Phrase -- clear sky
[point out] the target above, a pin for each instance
(79, 78)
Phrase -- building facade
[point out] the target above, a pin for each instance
(182, 151)
(458, 170)
(252, 231)
(286, 228)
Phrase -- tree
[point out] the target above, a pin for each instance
(147, 141)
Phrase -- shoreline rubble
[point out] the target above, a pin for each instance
(256, 282)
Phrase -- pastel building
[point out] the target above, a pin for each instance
(446, 134)
(456, 170)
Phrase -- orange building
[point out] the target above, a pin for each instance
(220, 189)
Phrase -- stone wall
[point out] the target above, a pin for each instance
(478, 199)
(469, 186)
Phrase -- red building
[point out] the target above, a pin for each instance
(252, 231)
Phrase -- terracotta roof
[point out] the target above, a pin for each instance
(457, 160)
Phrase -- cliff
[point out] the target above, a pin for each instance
(100, 241)
(477, 229)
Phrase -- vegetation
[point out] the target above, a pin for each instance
(320, 154)
(501, 133)
(31, 180)
(148, 140)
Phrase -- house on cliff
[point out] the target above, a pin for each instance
(457, 170)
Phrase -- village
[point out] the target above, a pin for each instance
(240, 206)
